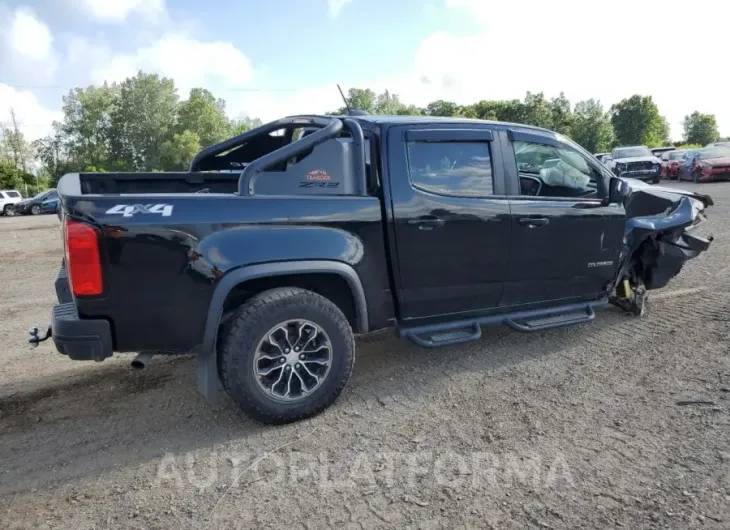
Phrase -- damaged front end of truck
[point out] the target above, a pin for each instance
(660, 236)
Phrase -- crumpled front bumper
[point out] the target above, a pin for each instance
(79, 338)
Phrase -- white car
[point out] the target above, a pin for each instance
(8, 200)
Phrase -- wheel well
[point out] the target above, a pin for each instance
(332, 286)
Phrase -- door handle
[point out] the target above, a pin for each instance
(534, 222)
(427, 223)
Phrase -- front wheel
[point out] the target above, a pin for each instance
(656, 180)
(287, 355)
(35, 209)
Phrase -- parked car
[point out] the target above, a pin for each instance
(636, 162)
(672, 162)
(719, 144)
(35, 205)
(8, 200)
(659, 151)
(706, 165)
(419, 223)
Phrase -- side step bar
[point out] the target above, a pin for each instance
(456, 332)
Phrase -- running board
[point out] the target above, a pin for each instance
(447, 333)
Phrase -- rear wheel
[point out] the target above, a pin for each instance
(9, 210)
(287, 355)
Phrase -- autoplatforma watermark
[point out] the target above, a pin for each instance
(325, 470)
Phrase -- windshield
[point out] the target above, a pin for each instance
(713, 152)
(41, 194)
(630, 152)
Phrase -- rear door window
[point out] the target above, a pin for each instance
(459, 169)
(12, 194)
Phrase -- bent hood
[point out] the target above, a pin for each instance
(655, 199)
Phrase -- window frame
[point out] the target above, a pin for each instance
(557, 141)
(453, 134)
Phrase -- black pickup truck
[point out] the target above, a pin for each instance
(282, 243)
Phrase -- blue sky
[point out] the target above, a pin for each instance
(268, 58)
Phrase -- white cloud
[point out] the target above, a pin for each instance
(116, 11)
(586, 49)
(28, 42)
(335, 6)
(188, 61)
(34, 120)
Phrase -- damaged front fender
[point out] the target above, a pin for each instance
(658, 240)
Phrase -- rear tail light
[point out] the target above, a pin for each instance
(82, 258)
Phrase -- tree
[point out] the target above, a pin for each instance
(14, 148)
(538, 111)
(143, 121)
(700, 128)
(178, 152)
(592, 126)
(53, 155)
(562, 115)
(636, 121)
(442, 108)
(86, 126)
(204, 115)
(242, 125)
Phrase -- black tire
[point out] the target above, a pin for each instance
(249, 326)
(656, 180)
(9, 210)
(35, 209)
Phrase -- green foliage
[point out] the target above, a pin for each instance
(143, 120)
(243, 125)
(700, 128)
(205, 116)
(179, 151)
(591, 127)
(636, 121)
(685, 146)
(14, 178)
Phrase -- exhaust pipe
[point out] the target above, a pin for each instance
(142, 359)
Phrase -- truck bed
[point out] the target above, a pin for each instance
(157, 182)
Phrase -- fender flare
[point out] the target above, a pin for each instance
(281, 268)
(208, 381)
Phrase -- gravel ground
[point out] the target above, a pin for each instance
(621, 423)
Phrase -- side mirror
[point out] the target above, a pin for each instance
(617, 191)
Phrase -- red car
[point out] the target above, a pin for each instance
(707, 165)
(672, 164)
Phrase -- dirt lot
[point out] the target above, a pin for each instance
(624, 422)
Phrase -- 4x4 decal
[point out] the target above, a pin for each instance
(128, 210)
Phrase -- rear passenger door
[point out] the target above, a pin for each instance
(451, 219)
(565, 241)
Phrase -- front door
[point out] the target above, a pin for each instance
(451, 219)
(566, 242)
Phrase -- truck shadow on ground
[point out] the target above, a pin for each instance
(111, 416)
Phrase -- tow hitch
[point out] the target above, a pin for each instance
(35, 339)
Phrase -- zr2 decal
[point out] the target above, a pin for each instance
(128, 210)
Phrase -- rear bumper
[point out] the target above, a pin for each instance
(79, 338)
